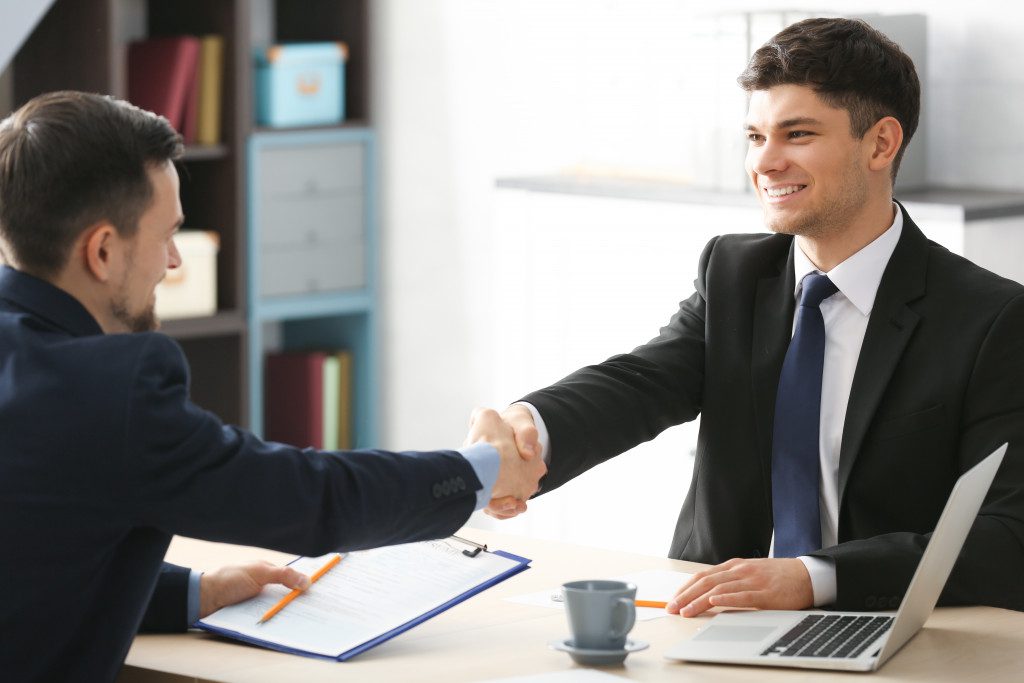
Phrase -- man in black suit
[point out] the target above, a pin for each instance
(905, 369)
(104, 457)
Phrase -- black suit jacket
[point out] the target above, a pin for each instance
(103, 457)
(938, 385)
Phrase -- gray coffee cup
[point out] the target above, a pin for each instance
(600, 613)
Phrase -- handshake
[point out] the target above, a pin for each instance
(514, 435)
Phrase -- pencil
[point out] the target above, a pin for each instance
(297, 592)
(651, 603)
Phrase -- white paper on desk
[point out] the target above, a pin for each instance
(652, 584)
(369, 593)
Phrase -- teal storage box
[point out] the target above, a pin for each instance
(301, 84)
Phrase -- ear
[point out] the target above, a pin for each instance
(883, 141)
(100, 248)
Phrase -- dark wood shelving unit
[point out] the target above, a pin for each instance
(83, 45)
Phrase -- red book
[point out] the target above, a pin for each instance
(163, 77)
(294, 398)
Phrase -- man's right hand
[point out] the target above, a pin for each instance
(521, 465)
(519, 419)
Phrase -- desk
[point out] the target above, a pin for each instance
(488, 637)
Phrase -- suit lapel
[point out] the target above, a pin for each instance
(773, 328)
(890, 327)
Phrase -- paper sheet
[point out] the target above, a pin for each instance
(654, 584)
(368, 594)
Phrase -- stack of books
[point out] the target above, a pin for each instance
(180, 78)
(308, 401)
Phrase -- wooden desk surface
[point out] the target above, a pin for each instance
(487, 637)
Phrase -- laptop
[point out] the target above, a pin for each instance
(851, 641)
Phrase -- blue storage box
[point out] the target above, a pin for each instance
(301, 84)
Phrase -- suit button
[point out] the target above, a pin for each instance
(437, 490)
(446, 487)
(461, 483)
(894, 602)
(870, 602)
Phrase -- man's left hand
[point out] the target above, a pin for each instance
(229, 585)
(772, 583)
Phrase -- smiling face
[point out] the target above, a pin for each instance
(150, 253)
(809, 171)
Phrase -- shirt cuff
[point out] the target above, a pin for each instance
(542, 431)
(823, 578)
(193, 597)
(485, 461)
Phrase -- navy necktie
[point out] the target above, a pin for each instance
(795, 457)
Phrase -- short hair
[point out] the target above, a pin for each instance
(69, 160)
(849, 65)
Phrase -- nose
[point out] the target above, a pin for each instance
(173, 256)
(767, 158)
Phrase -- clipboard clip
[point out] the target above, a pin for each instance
(477, 547)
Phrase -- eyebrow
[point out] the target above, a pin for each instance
(790, 123)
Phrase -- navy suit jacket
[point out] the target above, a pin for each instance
(939, 384)
(103, 458)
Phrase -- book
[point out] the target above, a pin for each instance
(162, 78)
(367, 599)
(332, 390)
(294, 400)
(211, 78)
(345, 404)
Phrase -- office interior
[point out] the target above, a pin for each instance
(547, 173)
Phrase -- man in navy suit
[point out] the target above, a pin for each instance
(919, 368)
(103, 455)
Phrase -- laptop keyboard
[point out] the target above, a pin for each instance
(832, 635)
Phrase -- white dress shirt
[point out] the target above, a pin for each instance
(846, 316)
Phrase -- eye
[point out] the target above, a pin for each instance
(796, 134)
(755, 138)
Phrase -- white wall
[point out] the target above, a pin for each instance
(470, 90)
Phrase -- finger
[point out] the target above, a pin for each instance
(700, 585)
(753, 599)
(499, 515)
(706, 601)
(287, 576)
(504, 504)
(527, 440)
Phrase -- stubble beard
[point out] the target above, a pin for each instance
(834, 214)
(145, 321)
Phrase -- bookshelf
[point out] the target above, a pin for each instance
(82, 45)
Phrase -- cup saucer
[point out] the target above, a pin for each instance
(597, 657)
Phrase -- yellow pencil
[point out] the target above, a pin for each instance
(297, 592)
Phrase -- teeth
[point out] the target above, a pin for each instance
(783, 191)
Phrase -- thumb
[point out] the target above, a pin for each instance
(286, 576)
(527, 441)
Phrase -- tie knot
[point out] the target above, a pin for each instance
(816, 289)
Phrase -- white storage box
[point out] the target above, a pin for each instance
(190, 290)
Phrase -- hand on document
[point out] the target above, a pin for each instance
(521, 464)
(231, 585)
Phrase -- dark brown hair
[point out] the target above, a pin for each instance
(849, 65)
(69, 160)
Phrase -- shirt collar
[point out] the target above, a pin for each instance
(859, 275)
(46, 301)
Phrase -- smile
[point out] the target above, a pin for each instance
(785, 191)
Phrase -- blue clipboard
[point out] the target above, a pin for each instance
(521, 564)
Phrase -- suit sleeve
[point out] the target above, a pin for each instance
(188, 474)
(603, 410)
(166, 611)
(878, 570)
